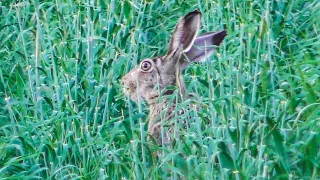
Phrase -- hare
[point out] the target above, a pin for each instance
(154, 75)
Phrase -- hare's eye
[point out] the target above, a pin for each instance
(146, 66)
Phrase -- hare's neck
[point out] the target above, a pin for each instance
(161, 111)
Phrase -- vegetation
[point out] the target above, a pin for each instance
(63, 114)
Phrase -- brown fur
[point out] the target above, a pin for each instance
(148, 84)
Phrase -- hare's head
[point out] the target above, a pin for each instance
(154, 74)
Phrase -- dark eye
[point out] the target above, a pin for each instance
(146, 66)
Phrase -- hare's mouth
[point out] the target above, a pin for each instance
(129, 90)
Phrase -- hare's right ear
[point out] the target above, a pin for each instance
(203, 47)
(185, 33)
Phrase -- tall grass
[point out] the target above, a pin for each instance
(63, 114)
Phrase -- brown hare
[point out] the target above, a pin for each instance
(150, 80)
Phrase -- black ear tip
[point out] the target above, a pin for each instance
(223, 33)
(218, 37)
(195, 12)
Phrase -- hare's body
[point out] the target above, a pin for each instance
(153, 77)
(161, 112)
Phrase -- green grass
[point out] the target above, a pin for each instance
(63, 114)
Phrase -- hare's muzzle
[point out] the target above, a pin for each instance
(128, 85)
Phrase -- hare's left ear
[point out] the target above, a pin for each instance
(185, 33)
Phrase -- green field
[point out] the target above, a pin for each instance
(63, 114)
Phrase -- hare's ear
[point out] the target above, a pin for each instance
(186, 32)
(203, 47)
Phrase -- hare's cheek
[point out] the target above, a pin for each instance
(143, 77)
(149, 78)
(152, 78)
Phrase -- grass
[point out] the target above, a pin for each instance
(63, 114)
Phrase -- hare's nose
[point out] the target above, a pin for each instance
(125, 81)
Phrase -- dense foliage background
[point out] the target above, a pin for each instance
(63, 114)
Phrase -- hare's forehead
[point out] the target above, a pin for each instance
(158, 61)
